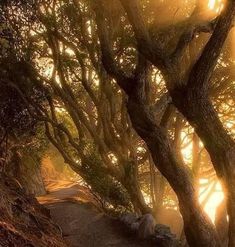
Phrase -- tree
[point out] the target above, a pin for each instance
(82, 120)
(189, 91)
(77, 57)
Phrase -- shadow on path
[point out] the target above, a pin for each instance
(82, 224)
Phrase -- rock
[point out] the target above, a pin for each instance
(128, 219)
(164, 238)
(163, 230)
(146, 226)
(135, 226)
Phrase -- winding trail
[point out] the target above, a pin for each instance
(81, 223)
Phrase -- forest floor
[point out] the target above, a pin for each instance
(81, 223)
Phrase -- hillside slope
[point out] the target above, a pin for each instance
(23, 221)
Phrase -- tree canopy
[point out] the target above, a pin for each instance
(137, 96)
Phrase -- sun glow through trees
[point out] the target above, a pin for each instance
(216, 5)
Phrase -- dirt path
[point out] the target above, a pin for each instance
(81, 223)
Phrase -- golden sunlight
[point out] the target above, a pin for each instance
(213, 196)
(213, 201)
(216, 5)
(232, 43)
(117, 112)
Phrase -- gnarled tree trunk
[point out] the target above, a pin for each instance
(198, 228)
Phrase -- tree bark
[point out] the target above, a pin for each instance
(198, 228)
(200, 113)
(196, 162)
(136, 196)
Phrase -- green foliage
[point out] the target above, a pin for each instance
(109, 189)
